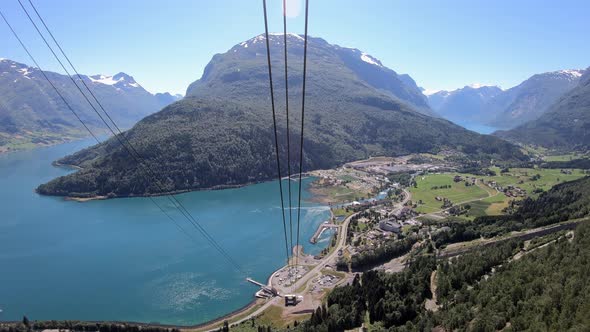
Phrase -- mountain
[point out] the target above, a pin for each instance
(566, 125)
(31, 113)
(463, 105)
(363, 67)
(166, 98)
(530, 99)
(221, 133)
(505, 109)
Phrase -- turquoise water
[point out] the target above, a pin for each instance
(122, 259)
(478, 128)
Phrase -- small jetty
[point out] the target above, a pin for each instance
(265, 291)
(321, 228)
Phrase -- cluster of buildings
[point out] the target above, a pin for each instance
(387, 165)
(509, 191)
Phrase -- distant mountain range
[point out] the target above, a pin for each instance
(492, 106)
(221, 133)
(465, 105)
(31, 113)
(566, 125)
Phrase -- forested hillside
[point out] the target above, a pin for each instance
(543, 288)
(221, 133)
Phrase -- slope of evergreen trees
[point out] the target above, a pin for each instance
(547, 289)
(221, 133)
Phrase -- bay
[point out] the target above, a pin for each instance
(122, 259)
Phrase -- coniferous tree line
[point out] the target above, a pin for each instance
(27, 325)
(386, 252)
(547, 289)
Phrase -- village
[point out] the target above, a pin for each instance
(384, 212)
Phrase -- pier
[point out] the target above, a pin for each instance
(265, 291)
(320, 230)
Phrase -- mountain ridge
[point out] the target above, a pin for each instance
(508, 108)
(221, 133)
(31, 113)
(369, 69)
(566, 125)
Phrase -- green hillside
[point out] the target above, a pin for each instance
(221, 133)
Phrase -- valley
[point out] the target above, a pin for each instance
(397, 189)
(292, 182)
(422, 223)
(221, 134)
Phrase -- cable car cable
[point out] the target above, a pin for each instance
(287, 113)
(302, 126)
(274, 122)
(72, 110)
(173, 199)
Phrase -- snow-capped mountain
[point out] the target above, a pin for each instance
(490, 105)
(120, 80)
(463, 105)
(363, 65)
(566, 123)
(532, 98)
(31, 110)
(221, 133)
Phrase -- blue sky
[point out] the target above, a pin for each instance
(442, 44)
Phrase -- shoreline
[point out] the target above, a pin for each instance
(174, 192)
(204, 325)
(62, 140)
(216, 321)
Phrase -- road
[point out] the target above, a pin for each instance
(340, 244)
(305, 278)
(459, 248)
(343, 230)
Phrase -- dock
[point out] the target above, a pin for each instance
(320, 230)
(265, 291)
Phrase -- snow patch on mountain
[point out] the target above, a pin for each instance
(25, 71)
(574, 73)
(104, 79)
(289, 34)
(428, 92)
(119, 80)
(262, 38)
(481, 85)
(369, 59)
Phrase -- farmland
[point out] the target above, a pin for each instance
(482, 198)
(425, 195)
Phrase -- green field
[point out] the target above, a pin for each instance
(348, 178)
(549, 178)
(457, 193)
(519, 177)
(493, 205)
(564, 157)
